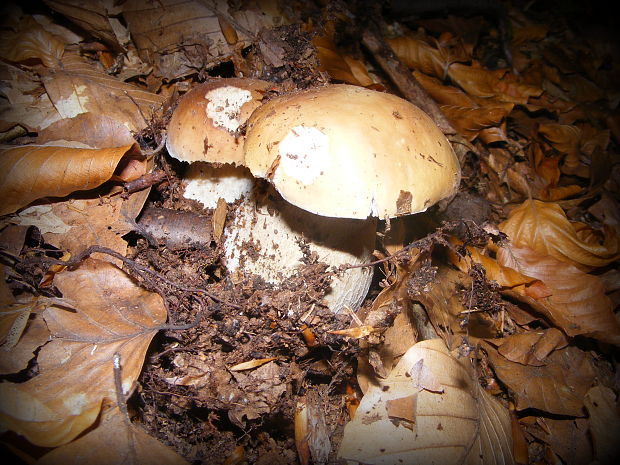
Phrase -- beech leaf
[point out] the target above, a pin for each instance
(577, 304)
(601, 403)
(530, 348)
(80, 87)
(30, 172)
(131, 446)
(104, 313)
(31, 40)
(558, 387)
(545, 228)
(397, 422)
(339, 66)
(420, 56)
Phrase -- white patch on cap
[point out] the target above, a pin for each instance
(304, 154)
(224, 106)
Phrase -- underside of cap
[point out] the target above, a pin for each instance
(349, 152)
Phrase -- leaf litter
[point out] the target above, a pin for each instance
(489, 334)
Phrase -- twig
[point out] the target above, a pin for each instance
(121, 401)
(134, 266)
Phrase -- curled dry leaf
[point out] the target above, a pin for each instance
(17, 358)
(545, 228)
(565, 139)
(30, 172)
(507, 278)
(113, 441)
(112, 315)
(339, 66)
(399, 421)
(480, 82)
(577, 304)
(558, 387)
(30, 41)
(420, 56)
(471, 121)
(79, 87)
(444, 95)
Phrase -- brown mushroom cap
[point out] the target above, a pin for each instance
(349, 152)
(203, 125)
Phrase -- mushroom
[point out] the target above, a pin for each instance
(203, 129)
(265, 235)
(349, 152)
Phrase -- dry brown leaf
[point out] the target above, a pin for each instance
(179, 38)
(565, 139)
(26, 103)
(545, 228)
(94, 17)
(531, 348)
(471, 121)
(30, 172)
(478, 82)
(507, 278)
(84, 222)
(30, 41)
(420, 56)
(602, 405)
(112, 315)
(568, 438)
(530, 32)
(558, 387)
(445, 95)
(577, 304)
(17, 358)
(79, 87)
(339, 66)
(113, 441)
(463, 424)
(580, 89)
(448, 308)
(95, 130)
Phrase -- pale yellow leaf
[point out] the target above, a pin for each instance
(26, 103)
(463, 424)
(250, 364)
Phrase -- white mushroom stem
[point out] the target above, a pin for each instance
(265, 235)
